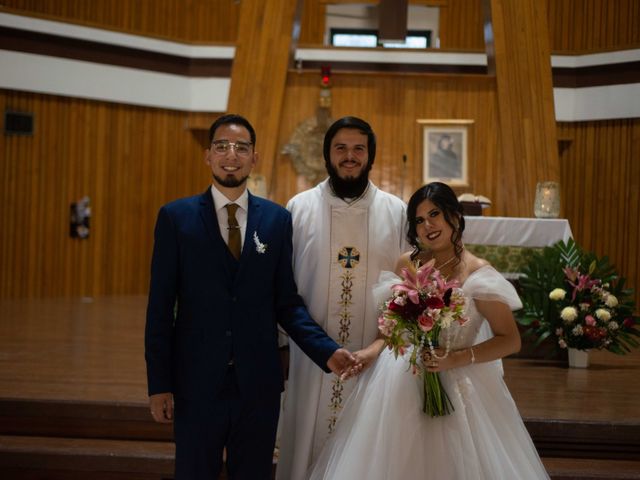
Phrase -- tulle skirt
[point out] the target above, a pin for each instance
(383, 434)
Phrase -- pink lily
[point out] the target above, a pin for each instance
(584, 283)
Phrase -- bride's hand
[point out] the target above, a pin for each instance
(354, 370)
(436, 363)
(364, 359)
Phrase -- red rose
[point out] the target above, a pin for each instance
(394, 307)
(434, 303)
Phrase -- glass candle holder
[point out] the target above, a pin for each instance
(547, 204)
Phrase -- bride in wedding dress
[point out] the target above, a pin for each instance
(382, 433)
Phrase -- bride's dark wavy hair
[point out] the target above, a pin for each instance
(443, 197)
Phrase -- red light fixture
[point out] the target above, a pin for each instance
(325, 71)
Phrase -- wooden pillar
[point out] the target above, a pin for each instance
(517, 44)
(259, 72)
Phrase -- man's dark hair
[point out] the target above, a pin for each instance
(350, 122)
(232, 119)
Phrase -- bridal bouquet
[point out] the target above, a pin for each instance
(422, 306)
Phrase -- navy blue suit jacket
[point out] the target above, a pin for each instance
(206, 308)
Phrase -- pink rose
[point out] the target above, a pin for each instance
(425, 323)
(589, 320)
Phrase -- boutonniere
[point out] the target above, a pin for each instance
(260, 247)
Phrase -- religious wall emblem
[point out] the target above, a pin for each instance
(305, 149)
(306, 142)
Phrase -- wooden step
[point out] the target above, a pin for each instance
(591, 469)
(585, 439)
(28, 457)
(80, 419)
(120, 421)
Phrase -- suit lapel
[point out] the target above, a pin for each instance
(253, 221)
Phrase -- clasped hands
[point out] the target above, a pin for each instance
(345, 364)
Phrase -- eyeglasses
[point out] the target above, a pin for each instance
(221, 147)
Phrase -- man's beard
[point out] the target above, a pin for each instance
(230, 181)
(348, 187)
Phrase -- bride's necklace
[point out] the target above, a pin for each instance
(440, 267)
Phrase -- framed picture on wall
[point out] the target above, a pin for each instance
(445, 156)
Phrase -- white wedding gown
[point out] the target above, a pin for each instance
(383, 434)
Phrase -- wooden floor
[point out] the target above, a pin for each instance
(75, 369)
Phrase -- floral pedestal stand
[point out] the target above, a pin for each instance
(578, 358)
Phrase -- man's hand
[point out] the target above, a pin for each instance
(161, 406)
(341, 361)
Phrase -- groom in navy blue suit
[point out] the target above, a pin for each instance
(221, 282)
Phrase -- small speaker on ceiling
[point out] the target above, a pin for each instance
(18, 123)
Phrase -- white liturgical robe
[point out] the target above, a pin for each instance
(339, 250)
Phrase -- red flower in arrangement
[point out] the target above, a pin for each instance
(421, 306)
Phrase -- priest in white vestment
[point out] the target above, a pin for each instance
(345, 231)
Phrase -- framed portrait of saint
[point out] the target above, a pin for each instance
(445, 151)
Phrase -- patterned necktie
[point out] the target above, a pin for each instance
(234, 230)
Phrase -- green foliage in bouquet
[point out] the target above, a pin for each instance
(577, 300)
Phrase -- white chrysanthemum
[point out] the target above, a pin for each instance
(584, 307)
(577, 331)
(613, 325)
(562, 343)
(434, 313)
(611, 301)
(603, 314)
(446, 319)
(569, 314)
(557, 294)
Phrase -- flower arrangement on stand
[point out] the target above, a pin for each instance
(577, 300)
(422, 306)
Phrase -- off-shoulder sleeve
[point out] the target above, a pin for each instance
(381, 290)
(487, 283)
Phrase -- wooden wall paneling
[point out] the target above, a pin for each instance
(575, 25)
(392, 104)
(601, 190)
(128, 160)
(632, 239)
(461, 23)
(592, 25)
(192, 21)
(519, 55)
(259, 72)
(313, 22)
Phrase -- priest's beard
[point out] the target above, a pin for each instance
(348, 187)
(230, 181)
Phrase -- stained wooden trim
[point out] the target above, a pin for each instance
(598, 75)
(96, 52)
(384, 67)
